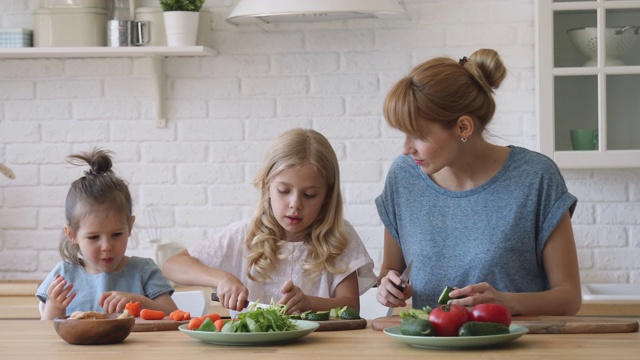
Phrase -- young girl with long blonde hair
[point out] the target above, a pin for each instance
(297, 249)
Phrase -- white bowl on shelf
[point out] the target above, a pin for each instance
(611, 293)
(585, 40)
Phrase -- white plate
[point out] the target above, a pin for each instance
(304, 328)
(611, 292)
(456, 342)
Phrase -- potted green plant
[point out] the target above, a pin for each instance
(181, 21)
(181, 5)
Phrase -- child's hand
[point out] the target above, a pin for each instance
(59, 297)
(294, 298)
(388, 293)
(59, 292)
(113, 302)
(232, 293)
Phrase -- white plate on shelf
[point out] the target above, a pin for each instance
(263, 338)
(456, 342)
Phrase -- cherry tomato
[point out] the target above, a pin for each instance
(496, 313)
(447, 319)
(212, 316)
(219, 324)
(195, 323)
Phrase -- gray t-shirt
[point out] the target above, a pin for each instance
(494, 233)
(139, 276)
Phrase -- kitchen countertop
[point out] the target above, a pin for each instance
(17, 301)
(38, 339)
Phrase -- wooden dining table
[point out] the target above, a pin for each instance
(37, 339)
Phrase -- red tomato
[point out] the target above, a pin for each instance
(496, 313)
(447, 319)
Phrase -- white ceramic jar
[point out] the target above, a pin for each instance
(69, 26)
(78, 3)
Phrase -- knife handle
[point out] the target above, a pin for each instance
(400, 287)
(214, 297)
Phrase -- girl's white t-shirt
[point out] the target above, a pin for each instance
(226, 251)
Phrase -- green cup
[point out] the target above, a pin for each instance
(584, 139)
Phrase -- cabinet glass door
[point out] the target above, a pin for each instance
(622, 37)
(576, 112)
(589, 86)
(623, 112)
(574, 38)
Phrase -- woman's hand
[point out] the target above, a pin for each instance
(59, 295)
(389, 279)
(232, 293)
(388, 293)
(294, 298)
(477, 294)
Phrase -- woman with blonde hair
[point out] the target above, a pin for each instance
(492, 221)
(297, 249)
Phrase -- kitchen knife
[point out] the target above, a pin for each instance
(404, 280)
(214, 297)
(405, 276)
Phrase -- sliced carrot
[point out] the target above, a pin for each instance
(134, 308)
(177, 315)
(149, 314)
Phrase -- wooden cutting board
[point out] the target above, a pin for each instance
(549, 324)
(157, 325)
(336, 325)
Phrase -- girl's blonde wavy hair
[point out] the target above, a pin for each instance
(325, 239)
(441, 90)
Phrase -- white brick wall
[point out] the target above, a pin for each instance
(223, 111)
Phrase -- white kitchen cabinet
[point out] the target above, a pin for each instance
(589, 79)
(154, 54)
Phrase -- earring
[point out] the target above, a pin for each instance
(464, 139)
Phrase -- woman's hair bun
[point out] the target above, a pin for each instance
(488, 68)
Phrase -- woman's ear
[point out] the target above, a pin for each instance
(69, 233)
(465, 126)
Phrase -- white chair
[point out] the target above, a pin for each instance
(370, 308)
(195, 302)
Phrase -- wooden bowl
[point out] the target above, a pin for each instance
(94, 331)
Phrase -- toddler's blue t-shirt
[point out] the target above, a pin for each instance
(140, 276)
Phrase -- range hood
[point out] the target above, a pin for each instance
(281, 11)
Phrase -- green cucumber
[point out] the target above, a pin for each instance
(349, 314)
(318, 316)
(477, 328)
(444, 297)
(416, 327)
